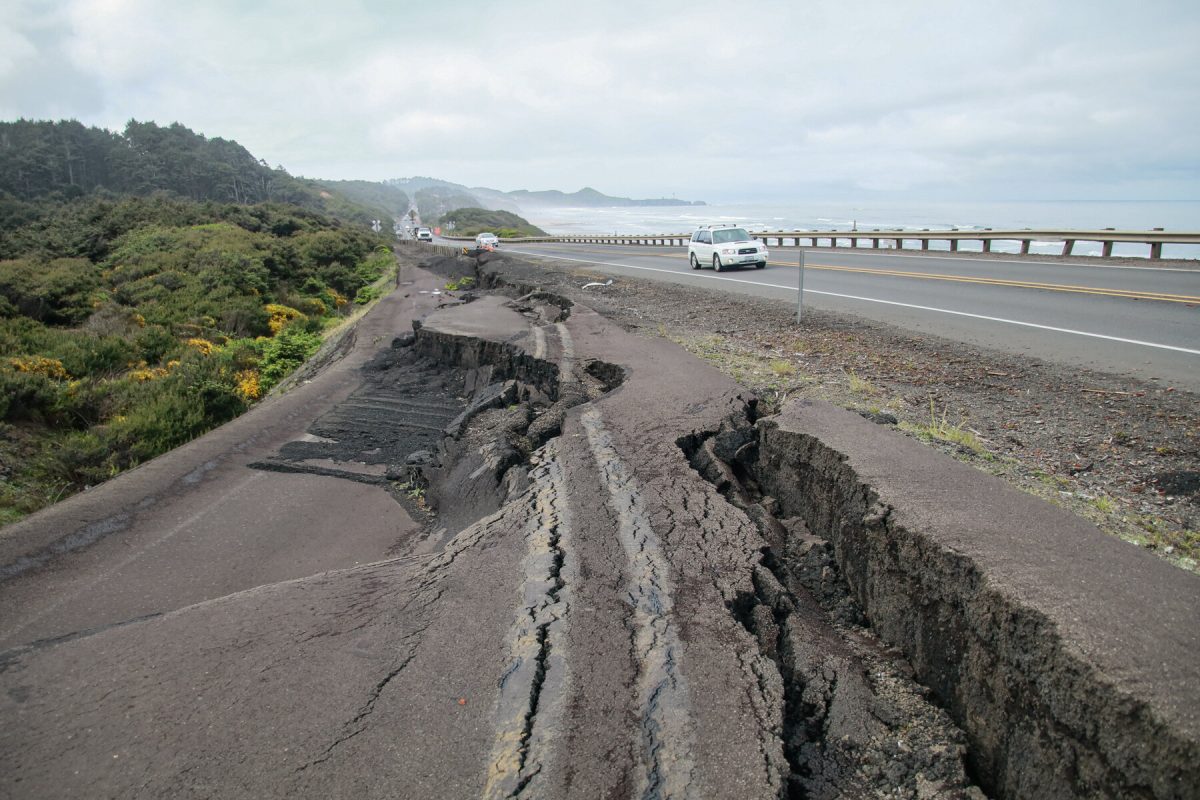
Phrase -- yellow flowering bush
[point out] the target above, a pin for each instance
(143, 374)
(313, 306)
(281, 316)
(247, 384)
(39, 365)
(203, 346)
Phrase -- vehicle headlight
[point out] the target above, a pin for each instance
(728, 251)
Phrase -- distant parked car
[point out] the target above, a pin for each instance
(424, 235)
(724, 246)
(486, 240)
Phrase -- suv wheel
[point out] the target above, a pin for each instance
(761, 265)
(695, 263)
(717, 263)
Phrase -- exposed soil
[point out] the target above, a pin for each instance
(1121, 452)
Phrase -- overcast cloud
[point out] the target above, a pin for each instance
(719, 101)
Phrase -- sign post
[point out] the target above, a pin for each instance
(800, 294)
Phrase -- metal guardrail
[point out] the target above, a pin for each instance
(1107, 237)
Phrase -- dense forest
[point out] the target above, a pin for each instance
(64, 160)
(153, 286)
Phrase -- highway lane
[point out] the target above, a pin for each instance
(1136, 320)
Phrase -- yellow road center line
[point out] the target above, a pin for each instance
(933, 276)
(1055, 287)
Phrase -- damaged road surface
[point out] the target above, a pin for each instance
(613, 580)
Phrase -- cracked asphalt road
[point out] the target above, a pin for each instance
(568, 631)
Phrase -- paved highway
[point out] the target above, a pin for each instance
(1136, 320)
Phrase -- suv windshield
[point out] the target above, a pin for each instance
(730, 235)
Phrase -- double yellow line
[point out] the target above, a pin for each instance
(1049, 287)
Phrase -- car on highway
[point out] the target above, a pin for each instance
(725, 246)
(486, 240)
(424, 235)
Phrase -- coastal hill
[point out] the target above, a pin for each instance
(589, 197)
(472, 221)
(434, 197)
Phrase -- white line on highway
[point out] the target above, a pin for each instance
(944, 255)
(875, 300)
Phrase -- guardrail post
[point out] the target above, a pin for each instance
(987, 245)
(924, 244)
(1068, 246)
(953, 245)
(899, 243)
(875, 243)
(1106, 249)
(1156, 250)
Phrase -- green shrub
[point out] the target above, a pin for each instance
(366, 294)
(59, 292)
(154, 343)
(290, 348)
(27, 396)
(81, 458)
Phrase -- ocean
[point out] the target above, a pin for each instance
(1175, 216)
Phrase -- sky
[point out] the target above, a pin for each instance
(726, 102)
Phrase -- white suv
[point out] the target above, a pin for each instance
(725, 246)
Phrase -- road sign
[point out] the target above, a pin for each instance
(376, 225)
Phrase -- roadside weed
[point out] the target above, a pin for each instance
(861, 385)
(941, 429)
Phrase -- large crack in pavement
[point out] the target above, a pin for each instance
(854, 720)
(530, 688)
(667, 736)
(626, 585)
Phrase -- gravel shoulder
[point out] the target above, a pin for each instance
(1121, 452)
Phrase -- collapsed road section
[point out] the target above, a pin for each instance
(628, 585)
